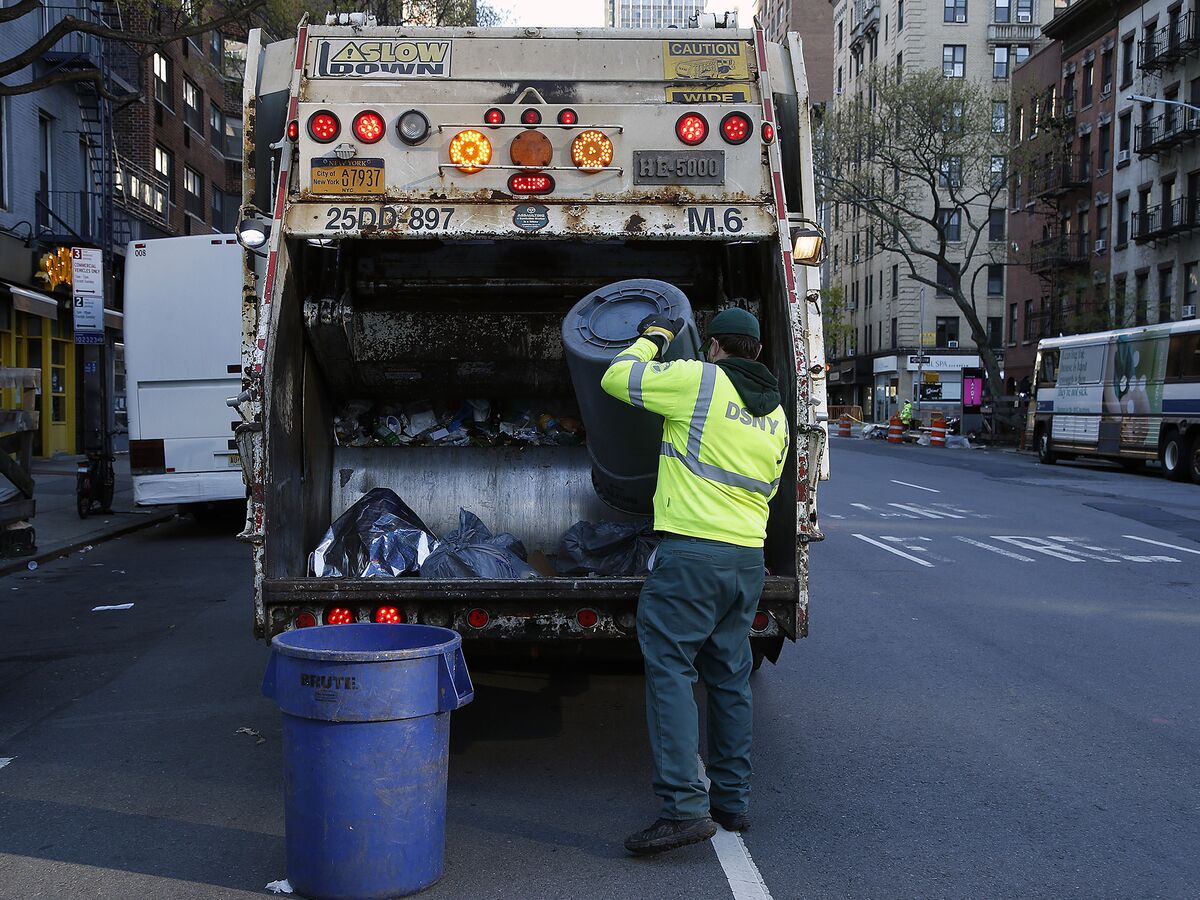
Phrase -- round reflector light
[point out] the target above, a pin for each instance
(736, 128)
(388, 615)
(768, 132)
(324, 127)
(591, 150)
(761, 621)
(530, 150)
(493, 116)
(692, 128)
(477, 618)
(293, 130)
(587, 618)
(531, 117)
(470, 150)
(368, 127)
(338, 615)
(412, 126)
(568, 117)
(530, 184)
(305, 620)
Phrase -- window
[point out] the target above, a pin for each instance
(191, 106)
(946, 278)
(1020, 54)
(1020, 123)
(950, 172)
(1016, 192)
(1139, 299)
(1030, 328)
(947, 330)
(216, 126)
(1102, 224)
(1127, 61)
(216, 49)
(1191, 285)
(951, 222)
(995, 331)
(1183, 356)
(1012, 324)
(1024, 10)
(218, 209)
(999, 116)
(895, 333)
(1106, 72)
(895, 281)
(952, 119)
(1002, 11)
(1122, 221)
(954, 10)
(1119, 302)
(995, 277)
(1124, 130)
(996, 219)
(1000, 63)
(193, 192)
(900, 16)
(233, 137)
(839, 36)
(1085, 155)
(998, 171)
(1089, 83)
(954, 60)
(839, 80)
(162, 80)
(1104, 149)
(3, 152)
(1166, 293)
(164, 165)
(45, 169)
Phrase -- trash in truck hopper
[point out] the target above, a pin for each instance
(377, 537)
(606, 548)
(472, 551)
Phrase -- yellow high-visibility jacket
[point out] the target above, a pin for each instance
(719, 465)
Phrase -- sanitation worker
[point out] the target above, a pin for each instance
(906, 414)
(724, 441)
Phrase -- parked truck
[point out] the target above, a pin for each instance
(423, 208)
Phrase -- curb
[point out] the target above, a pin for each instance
(8, 567)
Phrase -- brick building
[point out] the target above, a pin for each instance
(813, 21)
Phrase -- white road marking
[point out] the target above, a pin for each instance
(1117, 553)
(883, 546)
(861, 505)
(833, 516)
(1037, 545)
(917, 486)
(1075, 545)
(115, 606)
(1134, 537)
(986, 546)
(743, 876)
(922, 511)
(5, 760)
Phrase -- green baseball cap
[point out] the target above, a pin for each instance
(735, 321)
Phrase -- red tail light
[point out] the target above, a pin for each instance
(305, 620)
(293, 130)
(530, 184)
(761, 621)
(369, 127)
(531, 117)
(324, 127)
(736, 128)
(587, 618)
(338, 615)
(389, 615)
(768, 132)
(478, 618)
(493, 117)
(568, 117)
(691, 129)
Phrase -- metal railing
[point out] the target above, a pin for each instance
(1060, 176)
(66, 216)
(1170, 44)
(1166, 130)
(1059, 251)
(79, 50)
(143, 193)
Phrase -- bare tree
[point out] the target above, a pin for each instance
(922, 157)
(434, 13)
(173, 21)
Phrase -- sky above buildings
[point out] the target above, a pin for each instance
(583, 13)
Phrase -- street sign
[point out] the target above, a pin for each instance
(918, 360)
(87, 289)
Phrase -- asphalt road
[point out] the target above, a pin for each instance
(998, 699)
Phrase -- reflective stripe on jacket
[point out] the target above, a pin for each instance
(719, 465)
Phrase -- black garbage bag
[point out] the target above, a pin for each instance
(606, 548)
(377, 537)
(472, 551)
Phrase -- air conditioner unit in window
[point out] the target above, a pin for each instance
(1101, 245)
(1024, 16)
(1188, 312)
(960, 18)
(1122, 156)
(953, 345)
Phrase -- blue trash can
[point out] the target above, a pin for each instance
(366, 735)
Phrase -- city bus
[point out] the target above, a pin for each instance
(1129, 395)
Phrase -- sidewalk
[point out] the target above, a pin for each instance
(57, 524)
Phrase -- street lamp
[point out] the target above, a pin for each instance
(1142, 98)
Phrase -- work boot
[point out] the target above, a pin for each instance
(670, 834)
(731, 821)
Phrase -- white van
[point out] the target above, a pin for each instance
(183, 339)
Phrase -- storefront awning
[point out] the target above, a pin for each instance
(33, 302)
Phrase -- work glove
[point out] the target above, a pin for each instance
(660, 329)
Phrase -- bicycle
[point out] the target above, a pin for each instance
(95, 482)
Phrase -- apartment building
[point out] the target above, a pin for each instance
(911, 342)
(651, 13)
(1063, 134)
(813, 21)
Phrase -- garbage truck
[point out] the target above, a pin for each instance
(422, 209)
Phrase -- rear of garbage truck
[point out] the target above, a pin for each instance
(426, 206)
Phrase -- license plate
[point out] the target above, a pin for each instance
(678, 166)
(235, 459)
(331, 175)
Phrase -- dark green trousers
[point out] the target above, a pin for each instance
(693, 621)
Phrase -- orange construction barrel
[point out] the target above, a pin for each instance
(843, 426)
(938, 438)
(895, 430)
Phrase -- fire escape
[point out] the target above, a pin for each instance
(119, 201)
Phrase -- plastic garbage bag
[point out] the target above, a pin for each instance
(606, 548)
(472, 551)
(377, 537)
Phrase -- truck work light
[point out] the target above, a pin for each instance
(470, 151)
(412, 127)
(253, 233)
(808, 244)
